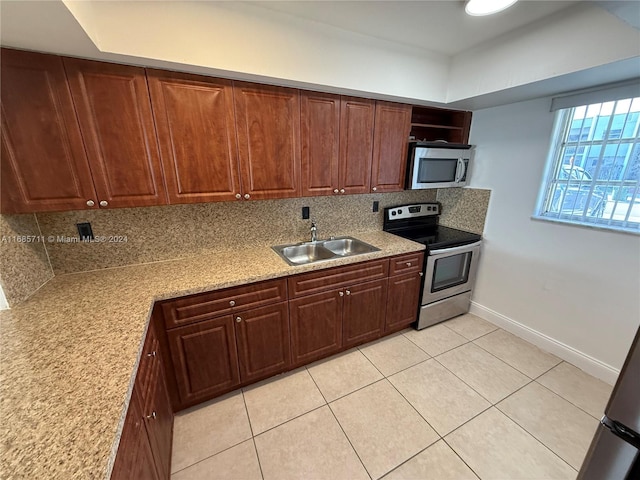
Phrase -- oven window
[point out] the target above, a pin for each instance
(451, 271)
(435, 170)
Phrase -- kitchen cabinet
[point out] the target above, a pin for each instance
(44, 166)
(403, 295)
(336, 308)
(262, 336)
(144, 451)
(195, 120)
(440, 124)
(135, 457)
(205, 358)
(356, 144)
(320, 131)
(114, 112)
(390, 142)
(268, 131)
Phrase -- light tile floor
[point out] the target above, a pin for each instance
(462, 399)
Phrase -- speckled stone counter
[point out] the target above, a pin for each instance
(68, 353)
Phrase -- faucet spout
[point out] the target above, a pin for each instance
(314, 232)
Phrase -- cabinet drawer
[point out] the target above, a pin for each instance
(412, 262)
(314, 282)
(188, 310)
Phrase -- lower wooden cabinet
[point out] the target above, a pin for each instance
(403, 298)
(316, 326)
(204, 357)
(158, 417)
(364, 312)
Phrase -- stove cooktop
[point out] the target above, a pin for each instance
(439, 237)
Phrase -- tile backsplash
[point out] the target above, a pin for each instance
(148, 234)
(24, 266)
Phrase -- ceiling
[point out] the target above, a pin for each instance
(439, 26)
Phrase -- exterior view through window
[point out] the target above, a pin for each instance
(594, 178)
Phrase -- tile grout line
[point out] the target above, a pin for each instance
(461, 459)
(340, 425)
(253, 437)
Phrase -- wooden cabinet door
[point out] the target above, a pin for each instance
(356, 144)
(44, 165)
(316, 326)
(320, 132)
(403, 297)
(158, 417)
(134, 458)
(268, 128)
(114, 111)
(205, 358)
(364, 312)
(263, 341)
(390, 141)
(197, 136)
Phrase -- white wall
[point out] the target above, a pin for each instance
(572, 290)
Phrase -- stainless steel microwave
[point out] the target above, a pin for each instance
(438, 166)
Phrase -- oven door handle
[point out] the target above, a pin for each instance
(462, 248)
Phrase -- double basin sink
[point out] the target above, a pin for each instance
(322, 250)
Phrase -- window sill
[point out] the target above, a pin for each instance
(594, 226)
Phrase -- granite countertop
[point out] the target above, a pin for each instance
(68, 353)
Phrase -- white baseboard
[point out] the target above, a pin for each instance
(581, 360)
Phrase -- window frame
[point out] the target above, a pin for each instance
(559, 137)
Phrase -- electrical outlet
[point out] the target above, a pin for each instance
(85, 231)
(305, 213)
(376, 205)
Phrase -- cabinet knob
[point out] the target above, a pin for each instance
(232, 303)
(238, 196)
(151, 354)
(408, 264)
(335, 190)
(238, 319)
(247, 196)
(103, 203)
(152, 416)
(342, 190)
(341, 294)
(421, 274)
(348, 292)
(90, 203)
(375, 189)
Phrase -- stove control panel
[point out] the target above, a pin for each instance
(413, 211)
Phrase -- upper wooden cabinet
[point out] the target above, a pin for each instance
(356, 144)
(197, 135)
(390, 141)
(440, 124)
(114, 111)
(268, 129)
(44, 165)
(320, 130)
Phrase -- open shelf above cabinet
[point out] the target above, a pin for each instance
(432, 124)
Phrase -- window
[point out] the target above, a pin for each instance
(593, 177)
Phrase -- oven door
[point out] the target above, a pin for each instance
(450, 271)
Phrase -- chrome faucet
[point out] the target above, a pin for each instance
(314, 232)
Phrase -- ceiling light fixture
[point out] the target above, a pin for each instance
(487, 7)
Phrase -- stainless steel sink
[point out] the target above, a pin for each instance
(323, 250)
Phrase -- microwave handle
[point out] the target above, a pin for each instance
(461, 170)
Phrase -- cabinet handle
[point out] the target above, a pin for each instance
(103, 203)
(341, 294)
(152, 416)
(335, 190)
(348, 292)
(421, 274)
(374, 189)
(90, 203)
(238, 196)
(232, 303)
(247, 196)
(342, 190)
(238, 319)
(408, 264)
(151, 354)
